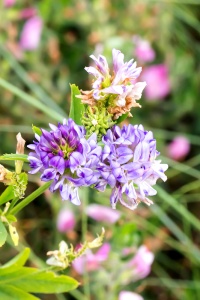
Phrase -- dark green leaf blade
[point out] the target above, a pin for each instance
(77, 107)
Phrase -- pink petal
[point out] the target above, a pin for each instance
(178, 148)
(126, 295)
(65, 221)
(157, 79)
(31, 33)
(9, 3)
(102, 213)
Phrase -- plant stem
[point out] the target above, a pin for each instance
(86, 285)
(30, 198)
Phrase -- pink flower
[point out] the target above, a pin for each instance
(143, 51)
(9, 3)
(102, 213)
(125, 295)
(158, 85)
(28, 13)
(90, 261)
(141, 262)
(178, 148)
(65, 221)
(31, 32)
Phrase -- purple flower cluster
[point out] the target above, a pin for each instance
(127, 162)
(64, 156)
(129, 166)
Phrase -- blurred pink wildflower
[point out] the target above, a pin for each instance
(31, 33)
(9, 3)
(90, 261)
(141, 262)
(66, 220)
(143, 50)
(126, 295)
(102, 213)
(28, 13)
(178, 148)
(158, 85)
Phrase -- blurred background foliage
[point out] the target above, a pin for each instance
(70, 31)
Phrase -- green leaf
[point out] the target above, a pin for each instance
(19, 260)
(36, 130)
(3, 234)
(77, 107)
(46, 282)
(8, 292)
(22, 157)
(7, 195)
(121, 118)
(13, 273)
(11, 218)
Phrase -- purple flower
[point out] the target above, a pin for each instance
(126, 295)
(118, 89)
(31, 32)
(129, 165)
(178, 148)
(64, 156)
(157, 78)
(90, 261)
(66, 220)
(102, 213)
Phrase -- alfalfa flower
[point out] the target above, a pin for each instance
(118, 90)
(64, 156)
(129, 165)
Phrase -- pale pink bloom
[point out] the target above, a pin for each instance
(178, 148)
(28, 13)
(144, 52)
(31, 33)
(102, 213)
(158, 85)
(126, 295)
(141, 262)
(65, 221)
(9, 3)
(90, 261)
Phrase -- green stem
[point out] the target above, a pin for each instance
(30, 198)
(31, 100)
(86, 285)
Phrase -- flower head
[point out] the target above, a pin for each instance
(118, 91)
(129, 165)
(64, 156)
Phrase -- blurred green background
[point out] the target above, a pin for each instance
(65, 33)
